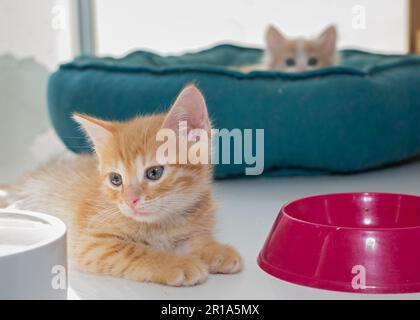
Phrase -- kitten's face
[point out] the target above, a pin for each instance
(132, 177)
(296, 55)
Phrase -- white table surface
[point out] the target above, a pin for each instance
(247, 210)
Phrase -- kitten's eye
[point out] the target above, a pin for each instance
(312, 61)
(115, 179)
(154, 173)
(290, 62)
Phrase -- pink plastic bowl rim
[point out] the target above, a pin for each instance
(339, 225)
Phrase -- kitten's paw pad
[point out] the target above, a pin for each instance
(187, 272)
(223, 259)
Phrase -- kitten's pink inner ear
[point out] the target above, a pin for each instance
(98, 131)
(189, 106)
(328, 38)
(274, 38)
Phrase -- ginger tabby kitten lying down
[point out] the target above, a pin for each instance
(128, 216)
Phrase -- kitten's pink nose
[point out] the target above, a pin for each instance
(133, 201)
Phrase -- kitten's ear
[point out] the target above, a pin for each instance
(274, 38)
(328, 38)
(189, 106)
(98, 131)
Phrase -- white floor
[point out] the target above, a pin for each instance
(247, 210)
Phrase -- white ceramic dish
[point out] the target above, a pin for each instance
(33, 259)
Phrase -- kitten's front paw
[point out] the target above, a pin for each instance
(222, 259)
(184, 271)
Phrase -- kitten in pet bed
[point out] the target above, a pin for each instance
(297, 54)
(129, 216)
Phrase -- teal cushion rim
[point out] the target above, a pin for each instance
(110, 64)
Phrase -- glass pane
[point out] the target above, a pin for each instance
(35, 36)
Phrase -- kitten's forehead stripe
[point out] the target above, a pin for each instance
(139, 168)
(120, 168)
(301, 54)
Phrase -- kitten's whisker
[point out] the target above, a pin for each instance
(104, 215)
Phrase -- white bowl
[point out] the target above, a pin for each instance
(33, 259)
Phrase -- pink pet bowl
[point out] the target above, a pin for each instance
(355, 242)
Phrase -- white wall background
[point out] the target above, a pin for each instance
(176, 26)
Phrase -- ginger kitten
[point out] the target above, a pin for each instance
(128, 216)
(299, 54)
(295, 55)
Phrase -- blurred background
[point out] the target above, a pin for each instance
(36, 36)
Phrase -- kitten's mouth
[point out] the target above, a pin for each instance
(139, 212)
(136, 212)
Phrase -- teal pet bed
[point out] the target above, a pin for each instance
(361, 115)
